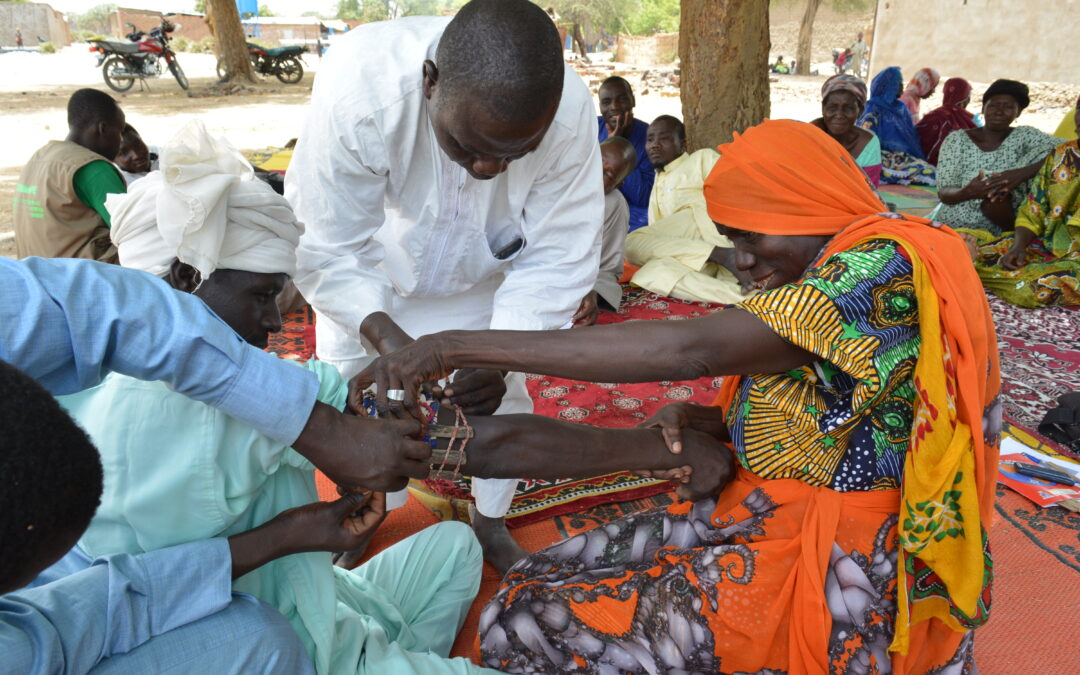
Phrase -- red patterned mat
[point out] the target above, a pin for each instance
(605, 405)
(1040, 359)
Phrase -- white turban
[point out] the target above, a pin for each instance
(206, 208)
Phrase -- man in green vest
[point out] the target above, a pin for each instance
(59, 204)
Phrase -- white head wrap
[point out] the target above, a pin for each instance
(206, 208)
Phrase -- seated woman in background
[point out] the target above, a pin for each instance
(950, 117)
(1067, 129)
(984, 173)
(902, 159)
(859, 385)
(923, 85)
(843, 98)
(1039, 264)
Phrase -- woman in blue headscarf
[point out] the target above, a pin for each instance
(902, 159)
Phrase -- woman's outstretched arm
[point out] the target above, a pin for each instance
(728, 342)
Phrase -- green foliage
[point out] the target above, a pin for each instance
(200, 6)
(47, 48)
(839, 6)
(637, 17)
(348, 9)
(265, 11)
(852, 6)
(418, 7)
(94, 19)
(84, 35)
(203, 46)
(363, 10)
(654, 16)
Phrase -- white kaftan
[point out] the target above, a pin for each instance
(393, 225)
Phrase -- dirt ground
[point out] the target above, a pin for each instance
(35, 89)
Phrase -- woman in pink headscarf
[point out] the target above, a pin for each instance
(921, 86)
(952, 115)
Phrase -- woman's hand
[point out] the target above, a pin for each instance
(712, 466)
(972, 245)
(1014, 259)
(674, 417)
(985, 186)
(406, 369)
(671, 420)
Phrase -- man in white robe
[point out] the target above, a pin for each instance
(448, 179)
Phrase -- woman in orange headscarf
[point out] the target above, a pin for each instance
(862, 415)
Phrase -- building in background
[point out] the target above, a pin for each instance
(37, 21)
(981, 40)
(192, 26)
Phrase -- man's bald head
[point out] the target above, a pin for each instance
(503, 54)
(618, 158)
(497, 85)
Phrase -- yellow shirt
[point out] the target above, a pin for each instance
(1067, 128)
(678, 189)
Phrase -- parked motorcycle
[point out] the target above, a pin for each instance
(283, 62)
(138, 59)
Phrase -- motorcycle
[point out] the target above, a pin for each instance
(283, 62)
(140, 58)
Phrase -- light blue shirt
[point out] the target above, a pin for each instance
(114, 606)
(68, 323)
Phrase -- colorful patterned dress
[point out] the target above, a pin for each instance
(722, 586)
(1051, 274)
(899, 167)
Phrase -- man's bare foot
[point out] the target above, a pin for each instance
(500, 547)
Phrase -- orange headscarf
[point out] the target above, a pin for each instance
(789, 178)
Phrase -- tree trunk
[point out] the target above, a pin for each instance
(806, 37)
(724, 49)
(230, 43)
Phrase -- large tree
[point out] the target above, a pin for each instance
(229, 41)
(806, 38)
(724, 49)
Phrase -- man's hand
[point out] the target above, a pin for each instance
(622, 124)
(341, 525)
(478, 392)
(323, 526)
(377, 454)
(587, 311)
(406, 369)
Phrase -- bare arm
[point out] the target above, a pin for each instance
(505, 446)
(728, 342)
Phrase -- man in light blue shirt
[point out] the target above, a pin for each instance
(170, 610)
(68, 323)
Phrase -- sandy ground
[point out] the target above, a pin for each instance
(35, 89)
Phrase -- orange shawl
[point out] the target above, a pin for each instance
(789, 178)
